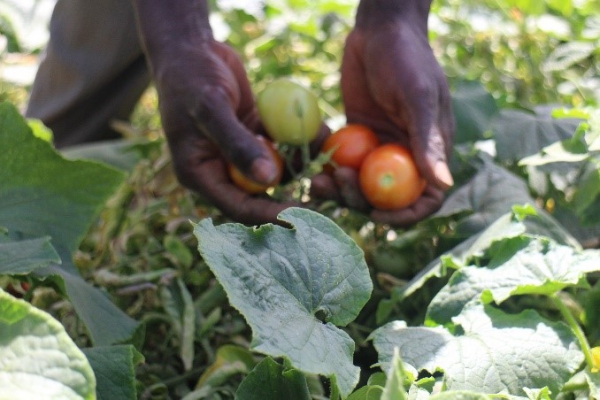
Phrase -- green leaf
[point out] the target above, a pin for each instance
(460, 395)
(114, 367)
(512, 351)
(474, 109)
(394, 385)
(230, 360)
(40, 130)
(519, 133)
(44, 195)
(179, 304)
(588, 192)
(270, 380)
(568, 54)
(490, 194)
(517, 266)
(593, 380)
(565, 151)
(293, 286)
(62, 196)
(117, 153)
(368, 392)
(538, 394)
(529, 7)
(509, 225)
(23, 256)
(106, 323)
(38, 359)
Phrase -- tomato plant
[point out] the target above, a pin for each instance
(251, 186)
(389, 178)
(290, 112)
(350, 145)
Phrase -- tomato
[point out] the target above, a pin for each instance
(389, 178)
(352, 144)
(290, 112)
(248, 185)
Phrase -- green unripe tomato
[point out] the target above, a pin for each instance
(290, 112)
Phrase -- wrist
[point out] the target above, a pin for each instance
(373, 13)
(165, 25)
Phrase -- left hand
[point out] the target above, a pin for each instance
(392, 83)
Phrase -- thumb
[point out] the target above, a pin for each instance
(216, 118)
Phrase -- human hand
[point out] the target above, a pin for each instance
(392, 83)
(210, 119)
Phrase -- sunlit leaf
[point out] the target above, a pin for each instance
(38, 359)
(293, 286)
(521, 265)
(513, 351)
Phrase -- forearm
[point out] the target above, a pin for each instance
(374, 13)
(165, 24)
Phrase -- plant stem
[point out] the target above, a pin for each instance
(568, 316)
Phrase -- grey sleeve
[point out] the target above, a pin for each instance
(92, 71)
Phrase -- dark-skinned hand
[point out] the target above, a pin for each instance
(392, 83)
(210, 118)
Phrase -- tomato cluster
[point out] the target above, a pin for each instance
(388, 175)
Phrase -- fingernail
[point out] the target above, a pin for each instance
(263, 171)
(443, 175)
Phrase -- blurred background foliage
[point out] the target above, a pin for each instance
(525, 52)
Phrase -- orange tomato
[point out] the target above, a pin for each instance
(350, 145)
(389, 178)
(250, 186)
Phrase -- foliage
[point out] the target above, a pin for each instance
(493, 297)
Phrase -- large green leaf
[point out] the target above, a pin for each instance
(508, 226)
(114, 367)
(23, 256)
(38, 359)
(520, 133)
(512, 351)
(521, 265)
(44, 195)
(293, 286)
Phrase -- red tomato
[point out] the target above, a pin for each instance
(248, 185)
(352, 143)
(389, 178)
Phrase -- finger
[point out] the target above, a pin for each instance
(429, 203)
(244, 100)
(211, 180)
(323, 187)
(431, 126)
(347, 182)
(216, 119)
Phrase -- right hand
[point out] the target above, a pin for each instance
(210, 119)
